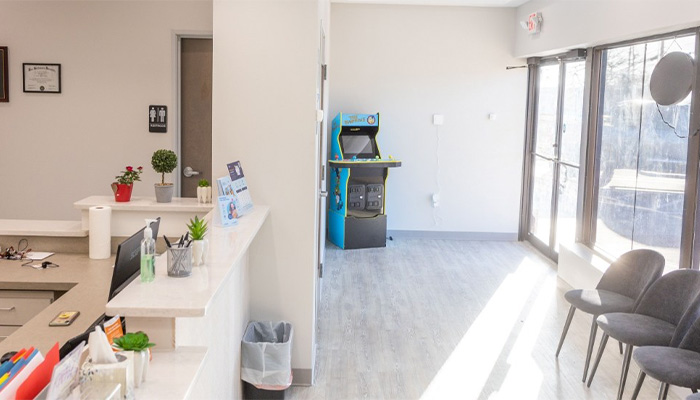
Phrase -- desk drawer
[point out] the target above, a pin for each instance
(6, 331)
(18, 307)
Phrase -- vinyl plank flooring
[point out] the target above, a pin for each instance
(440, 319)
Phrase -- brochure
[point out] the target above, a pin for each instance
(240, 187)
(228, 210)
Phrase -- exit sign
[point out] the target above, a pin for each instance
(534, 23)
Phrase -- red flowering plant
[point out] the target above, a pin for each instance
(130, 175)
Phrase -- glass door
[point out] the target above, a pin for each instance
(555, 154)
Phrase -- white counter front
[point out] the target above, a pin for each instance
(208, 310)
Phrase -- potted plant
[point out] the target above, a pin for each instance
(135, 345)
(125, 183)
(204, 191)
(198, 228)
(164, 161)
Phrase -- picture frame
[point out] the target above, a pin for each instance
(41, 78)
(4, 80)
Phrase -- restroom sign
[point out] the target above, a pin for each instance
(157, 118)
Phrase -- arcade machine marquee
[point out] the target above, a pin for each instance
(357, 209)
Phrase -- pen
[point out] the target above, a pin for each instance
(167, 242)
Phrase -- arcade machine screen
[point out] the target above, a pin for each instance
(357, 145)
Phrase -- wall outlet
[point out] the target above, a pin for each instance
(436, 199)
(438, 119)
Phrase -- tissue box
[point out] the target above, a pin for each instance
(120, 372)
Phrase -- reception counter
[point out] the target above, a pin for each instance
(197, 322)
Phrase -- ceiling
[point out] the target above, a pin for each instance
(470, 3)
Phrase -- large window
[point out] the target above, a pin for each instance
(643, 150)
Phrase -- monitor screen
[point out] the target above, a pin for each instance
(127, 265)
(356, 145)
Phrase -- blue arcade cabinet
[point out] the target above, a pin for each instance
(356, 209)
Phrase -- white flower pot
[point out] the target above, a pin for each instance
(140, 365)
(199, 251)
(204, 194)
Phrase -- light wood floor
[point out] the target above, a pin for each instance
(439, 319)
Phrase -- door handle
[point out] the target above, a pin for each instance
(7, 308)
(189, 172)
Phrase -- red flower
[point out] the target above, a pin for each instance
(129, 169)
(139, 168)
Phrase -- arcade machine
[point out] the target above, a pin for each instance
(356, 210)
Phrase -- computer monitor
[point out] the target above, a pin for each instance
(127, 265)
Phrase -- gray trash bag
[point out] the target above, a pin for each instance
(266, 355)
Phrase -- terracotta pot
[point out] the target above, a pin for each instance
(122, 191)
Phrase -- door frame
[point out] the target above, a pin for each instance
(534, 65)
(174, 117)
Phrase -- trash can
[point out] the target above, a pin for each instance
(266, 359)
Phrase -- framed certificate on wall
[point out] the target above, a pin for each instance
(4, 90)
(41, 78)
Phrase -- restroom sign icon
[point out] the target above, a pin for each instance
(157, 118)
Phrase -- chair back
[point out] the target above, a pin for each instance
(633, 273)
(691, 315)
(691, 340)
(670, 296)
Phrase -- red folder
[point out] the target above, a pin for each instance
(40, 377)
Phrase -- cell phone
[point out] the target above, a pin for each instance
(64, 318)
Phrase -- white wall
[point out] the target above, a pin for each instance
(572, 24)
(116, 59)
(264, 100)
(410, 62)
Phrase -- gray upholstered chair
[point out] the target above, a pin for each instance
(678, 365)
(663, 310)
(695, 396)
(619, 290)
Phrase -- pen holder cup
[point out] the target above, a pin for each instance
(179, 261)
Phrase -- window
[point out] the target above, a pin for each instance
(643, 152)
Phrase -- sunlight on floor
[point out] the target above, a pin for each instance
(524, 377)
(469, 366)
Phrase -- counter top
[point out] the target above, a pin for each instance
(86, 283)
(178, 204)
(190, 297)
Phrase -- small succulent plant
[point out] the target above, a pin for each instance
(203, 183)
(133, 342)
(198, 228)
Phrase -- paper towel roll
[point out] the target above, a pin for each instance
(100, 218)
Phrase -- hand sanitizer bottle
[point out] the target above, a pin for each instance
(148, 254)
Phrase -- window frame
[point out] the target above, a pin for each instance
(690, 241)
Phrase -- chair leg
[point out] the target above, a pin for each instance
(569, 317)
(638, 386)
(601, 348)
(626, 360)
(620, 343)
(591, 342)
(663, 391)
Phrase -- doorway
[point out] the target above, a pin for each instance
(554, 154)
(195, 99)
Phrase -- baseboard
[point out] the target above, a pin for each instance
(580, 266)
(302, 377)
(447, 235)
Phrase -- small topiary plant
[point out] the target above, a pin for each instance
(133, 342)
(203, 183)
(164, 161)
(198, 228)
